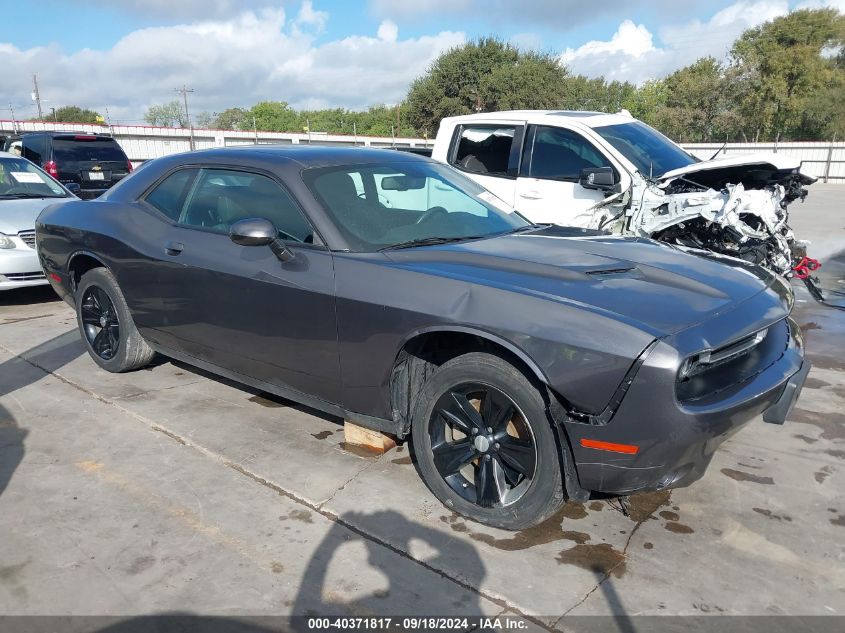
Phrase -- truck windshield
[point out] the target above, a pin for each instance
(651, 153)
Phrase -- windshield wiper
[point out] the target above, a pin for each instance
(17, 196)
(530, 227)
(430, 241)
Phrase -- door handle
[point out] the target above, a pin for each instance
(531, 195)
(173, 248)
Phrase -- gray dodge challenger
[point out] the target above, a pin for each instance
(528, 364)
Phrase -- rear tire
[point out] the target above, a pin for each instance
(106, 326)
(484, 443)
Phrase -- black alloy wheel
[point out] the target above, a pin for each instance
(106, 324)
(482, 445)
(100, 322)
(485, 444)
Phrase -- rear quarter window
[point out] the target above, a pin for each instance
(170, 194)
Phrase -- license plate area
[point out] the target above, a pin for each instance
(96, 175)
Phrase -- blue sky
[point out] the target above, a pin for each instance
(129, 54)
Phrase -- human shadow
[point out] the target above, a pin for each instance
(415, 587)
(17, 373)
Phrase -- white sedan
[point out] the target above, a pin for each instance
(25, 190)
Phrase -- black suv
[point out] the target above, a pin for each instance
(88, 164)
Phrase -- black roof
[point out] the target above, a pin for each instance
(311, 155)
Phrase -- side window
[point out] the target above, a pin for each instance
(221, 197)
(560, 154)
(169, 196)
(485, 149)
(35, 149)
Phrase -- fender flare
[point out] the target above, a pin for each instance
(482, 333)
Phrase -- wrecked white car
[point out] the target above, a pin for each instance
(615, 173)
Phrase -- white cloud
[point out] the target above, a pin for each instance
(256, 55)
(308, 16)
(631, 53)
(388, 31)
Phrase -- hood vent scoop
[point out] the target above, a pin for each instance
(613, 273)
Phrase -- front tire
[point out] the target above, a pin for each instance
(484, 443)
(106, 326)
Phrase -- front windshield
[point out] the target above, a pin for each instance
(651, 153)
(21, 179)
(385, 205)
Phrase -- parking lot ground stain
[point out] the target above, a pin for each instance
(298, 515)
(322, 434)
(822, 474)
(815, 383)
(548, 531)
(276, 567)
(804, 438)
(678, 528)
(739, 475)
(832, 425)
(642, 506)
(823, 361)
(835, 453)
(601, 558)
(268, 400)
(840, 520)
(140, 564)
(402, 461)
(770, 515)
(10, 573)
(648, 545)
(596, 505)
(572, 510)
(669, 516)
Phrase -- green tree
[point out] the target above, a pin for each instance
(170, 114)
(787, 70)
(481, 76)
(275, 116)
(75, 114)
(232, 119)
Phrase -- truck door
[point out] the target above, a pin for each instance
(547, 188)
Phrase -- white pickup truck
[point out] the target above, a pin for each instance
(613, 172)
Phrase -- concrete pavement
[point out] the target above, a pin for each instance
(170, 489)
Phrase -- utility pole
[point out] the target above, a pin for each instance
(255, 130)
(36, 96)
(184, 90)
(14, 120)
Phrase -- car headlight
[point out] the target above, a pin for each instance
(6, 241)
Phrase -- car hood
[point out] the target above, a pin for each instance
(19, 215)
(652, 286)
(777, 165)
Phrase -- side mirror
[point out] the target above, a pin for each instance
(253, 232)
(259, 232)
(601, 178)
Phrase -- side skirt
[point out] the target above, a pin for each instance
(376, 424)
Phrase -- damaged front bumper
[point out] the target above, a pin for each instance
(674, 439)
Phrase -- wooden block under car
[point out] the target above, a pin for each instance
(367, 439)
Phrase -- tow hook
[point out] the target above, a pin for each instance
(805, 267)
